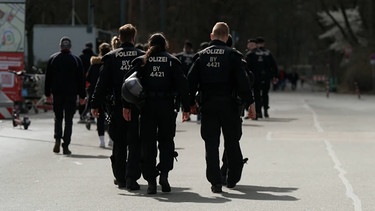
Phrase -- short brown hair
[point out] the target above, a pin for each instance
(127, 33)
(220, 29)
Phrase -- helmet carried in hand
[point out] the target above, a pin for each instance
(132, 90)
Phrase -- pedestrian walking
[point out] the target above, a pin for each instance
(64, 81)
(261, 62)
(162, 79)
(85, 57)
(125, 156)
(293, 78)
(92, 78)
(219, 76)
(186, 56)
(186, 59)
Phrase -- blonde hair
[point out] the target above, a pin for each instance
(115, 42)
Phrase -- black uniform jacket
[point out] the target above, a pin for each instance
(64, 75)
(162, 75)
(262, 64)
(274, 70)
(115, 65)
(218, 71)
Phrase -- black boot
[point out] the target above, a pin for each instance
(56, 148)
(266, 113)
(66, 150)
(216, 188)
(151, 187)
(163, 181)
(131, 184)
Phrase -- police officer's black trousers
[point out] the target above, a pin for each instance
(158, 124)
(64, 108)
(222, 114)
(125, 156)
(261, 97)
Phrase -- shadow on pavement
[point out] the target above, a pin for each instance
(245, 192)
(178, 195)
(261, 193)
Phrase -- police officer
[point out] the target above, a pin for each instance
(116, 64)
(64, 81)
(219, 76)
(263, 65)
(162, 77)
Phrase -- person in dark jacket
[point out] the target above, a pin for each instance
(85, 57)
(162, 77)
(186, 56)
(125, 156)
(219, 76)
(186, 59)
(64, 81)
(92, 78)
(261, 62)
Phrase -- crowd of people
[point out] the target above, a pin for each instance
(135, 93)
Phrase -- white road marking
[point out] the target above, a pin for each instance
(316, 122)
(349, 188)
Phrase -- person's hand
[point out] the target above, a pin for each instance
(95, 112)
(185, 116)
(251, 112)
(193, 109)
(127, 114)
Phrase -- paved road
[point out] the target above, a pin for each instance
(313, 153)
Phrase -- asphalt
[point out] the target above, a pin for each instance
(313, 153)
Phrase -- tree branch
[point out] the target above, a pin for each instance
(353, 37)
(342, 30)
